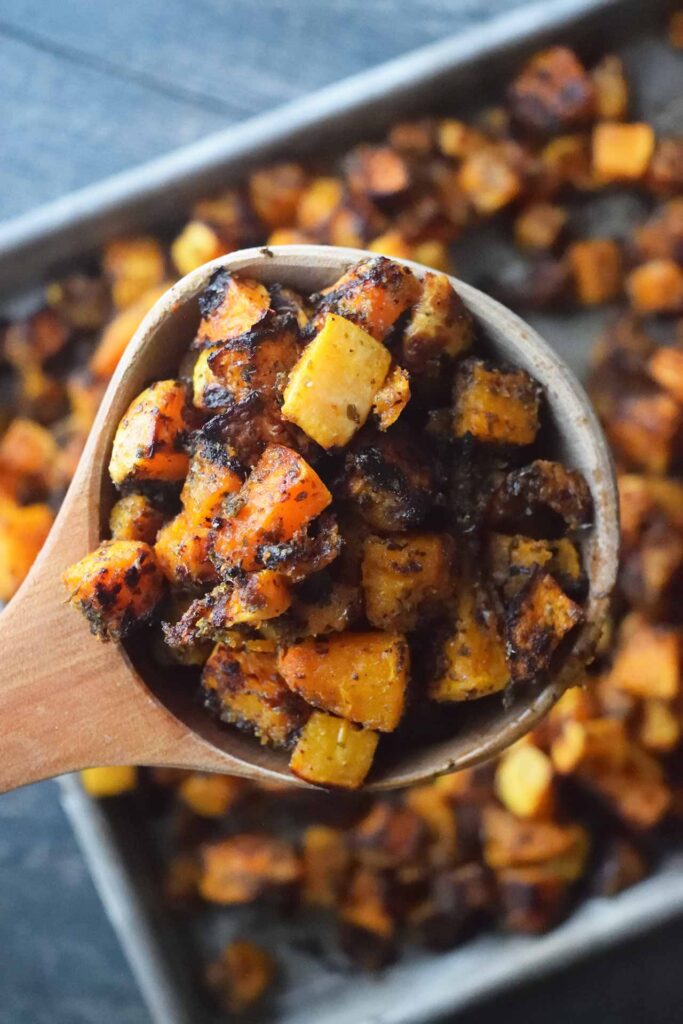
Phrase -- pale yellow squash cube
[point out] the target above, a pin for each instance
(333, 752)
(332, 387)
(474, 662)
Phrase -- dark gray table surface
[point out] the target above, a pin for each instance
(88, 88)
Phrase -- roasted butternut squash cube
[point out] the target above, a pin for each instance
(458, 139)
(589, 746)
(433, 253)
(275, 193)
(119, 332)
(392, 397)
(524, 781)
(213, 475)
(611, 88)
(439, 324)
(622, 152)
(390, 480)
(372, 294)
(379, 172)
(665, 367)
(537, 619)
(473, 662)
(230, 306)
(282, 495)
(210, 795)
(660, 237)
(247, 866)
(29, 451)
(597, 270)
(390, 837)
(392, 244)
(566, 161)
(110, 781)
(405, 578)
(182, 550)
(134, 517)
(134, 265)
(241, 975)
(660, 727)
(512, 559)
(252, 365)
(117, 587)
(637, 793)
(495, 406)
(647, 662)
(23, 531)
(644, 430)
(552, 92)
(197, 243)
(148, 444)
(326, 863)
(432, 806)
(367, 927)
(489, 179)
(318, 202)
(360, 676)
(540, 486)
(245, 689)
(513, 843)
(539, 226)
(257, 597)
(532, 899)
(656, 287)
(332, 611)
(331, 389)
(333, 752)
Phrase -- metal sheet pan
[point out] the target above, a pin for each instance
(117, 840)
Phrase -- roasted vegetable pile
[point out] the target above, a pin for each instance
(585, 804)
(297, 508)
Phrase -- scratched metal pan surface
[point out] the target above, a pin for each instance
(120, 843)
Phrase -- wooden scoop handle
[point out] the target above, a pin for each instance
(69, 701)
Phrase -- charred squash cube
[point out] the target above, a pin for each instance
(392, 397)
(367, 927)
(495, 406)
(333, 752)
(241, 975)
(149, 441)
(405, 578)
(360, 676)
(512, 559)
(372, 294)
(214, 474)
(439, 324)
(532, 899)
(245, 689)
(326, 863)
(182, 550)
(281, 496)
(389, 837)
(542, 486)
(390, 480)
(644, 430)
(252, 364)
(378, 172)
(510, 842)
(275, 193)
(331, 389)
(647, 661)
(473, 662)
(536, 621)
(490, 179)
(230, 306)
(245, 867)
(134, 517)
(553, 93)
(117, 587)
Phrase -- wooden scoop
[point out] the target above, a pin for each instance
(69, 701)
